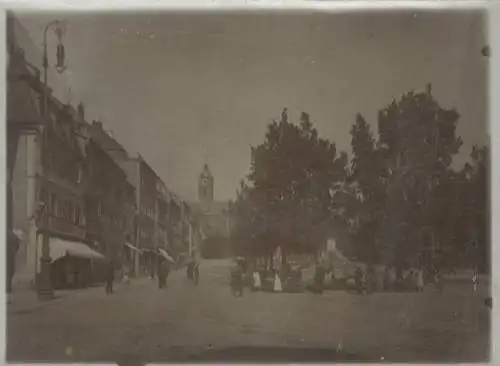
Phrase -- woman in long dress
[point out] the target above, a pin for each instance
(256, 280)
(420, 280)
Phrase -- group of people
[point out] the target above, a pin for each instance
(367, 280)
(262, 277)
(161, 273)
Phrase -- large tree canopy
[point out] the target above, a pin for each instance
(412, 206)
(399, 196)
(288, 199)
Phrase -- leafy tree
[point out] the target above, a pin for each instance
(399, 175)
(419, 140)
(369, 191)
(475, 207)
(288, 201)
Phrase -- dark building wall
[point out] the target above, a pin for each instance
(66, 174)
(147, 205)
(110, 202)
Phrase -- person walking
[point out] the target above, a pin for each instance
(196, 273)
(162, 275)
(319, 278)
(110, 277)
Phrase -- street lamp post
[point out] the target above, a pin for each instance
(45, 290)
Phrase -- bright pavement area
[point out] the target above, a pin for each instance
(143, 323)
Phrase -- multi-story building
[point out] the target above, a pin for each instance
(109, 201)
(56, 187)
(163, 199)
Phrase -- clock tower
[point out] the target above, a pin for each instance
(206, 186)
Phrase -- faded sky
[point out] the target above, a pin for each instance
(183, 89)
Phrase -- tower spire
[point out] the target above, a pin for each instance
(206, 185)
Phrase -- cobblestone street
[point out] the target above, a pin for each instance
(143, 323)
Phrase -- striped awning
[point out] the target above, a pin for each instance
(60, 248)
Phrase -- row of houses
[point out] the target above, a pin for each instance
(102, 201)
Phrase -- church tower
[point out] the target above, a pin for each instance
(206, 186)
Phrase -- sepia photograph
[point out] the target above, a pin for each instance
(248, 186)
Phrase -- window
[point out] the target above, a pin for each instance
(53, 204)
(69, 215)
(77, 215)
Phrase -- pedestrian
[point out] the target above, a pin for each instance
(387, 279)
(370, 279)
(126, 275)
(420, 280)
(236, 281)
(189, 269)
(152, 272)
(319, 278)
(475, 281)
(162, 275)
(110, 277)
(166, 273)
(12, 248)
(256, 281)
(196, 273)
(439, 280)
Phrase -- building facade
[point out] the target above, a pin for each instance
(61, 194)
(213, 216)
(109, 202)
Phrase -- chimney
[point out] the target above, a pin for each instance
(97, 124)
(81, 111)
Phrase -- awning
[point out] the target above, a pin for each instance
(133, 248)
(164, 254)
(60, 248)
(19, 234)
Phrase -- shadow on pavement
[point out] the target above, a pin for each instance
(270, 355)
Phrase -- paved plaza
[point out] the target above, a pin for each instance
(145, 324)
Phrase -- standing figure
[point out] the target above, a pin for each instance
(387, 279)
(110, 277)
(196, 273)
(237, 281)
(256, 280)
(152, 272)
(475, 281)
(189, 269)
(319, 278)
(163, 272)
(439, 280)
(161, 276)
(420, 280)
(12, 248)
